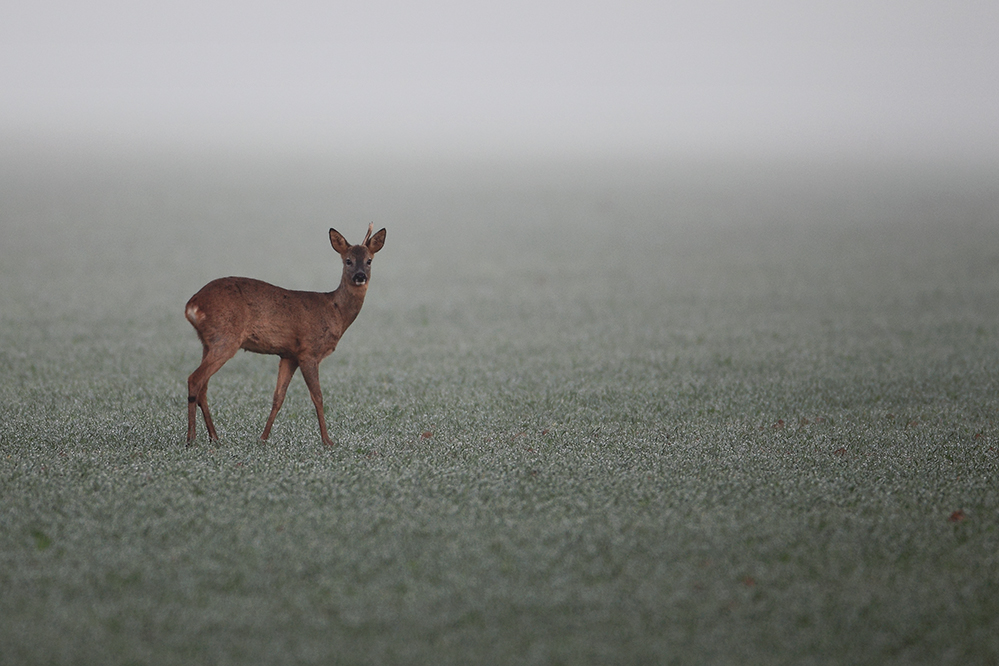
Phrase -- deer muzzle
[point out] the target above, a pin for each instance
(359, 278)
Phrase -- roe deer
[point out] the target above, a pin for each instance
(302, 327)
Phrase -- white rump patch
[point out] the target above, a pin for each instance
(193, 314)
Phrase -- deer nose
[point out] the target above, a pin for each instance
(360, 278)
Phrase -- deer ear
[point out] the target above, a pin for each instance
(338, 242)
(376, 242)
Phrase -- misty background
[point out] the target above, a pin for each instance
(884, 79)
(542, 164)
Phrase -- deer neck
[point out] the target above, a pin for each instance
(347, 299)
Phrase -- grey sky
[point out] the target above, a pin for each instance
(876, 77)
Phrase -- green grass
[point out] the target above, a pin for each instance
(640, 414)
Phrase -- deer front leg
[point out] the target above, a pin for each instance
(285, 372)
(310, 371)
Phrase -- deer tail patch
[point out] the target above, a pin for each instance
(193, 314)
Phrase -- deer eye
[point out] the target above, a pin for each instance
(349, 262)
(368, 262)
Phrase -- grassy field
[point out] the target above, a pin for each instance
(616, 413)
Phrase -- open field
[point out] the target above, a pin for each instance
(609, 414)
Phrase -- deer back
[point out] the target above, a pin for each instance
(266, 319)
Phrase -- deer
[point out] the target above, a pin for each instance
(300, 327)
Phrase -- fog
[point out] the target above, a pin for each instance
(913, 78)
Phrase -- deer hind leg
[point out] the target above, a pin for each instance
(285, 372)
(310, 371)
(212, 358)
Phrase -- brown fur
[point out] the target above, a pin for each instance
(301, 327)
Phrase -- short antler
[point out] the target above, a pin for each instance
(367, 236)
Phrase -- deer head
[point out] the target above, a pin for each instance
(357, 258)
